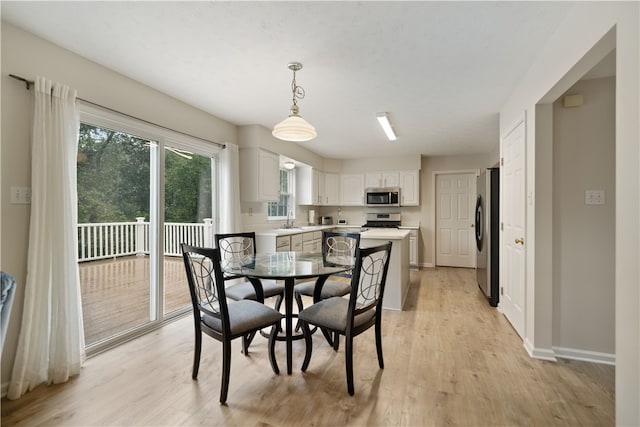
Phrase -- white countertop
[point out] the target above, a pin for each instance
(294, 230)
(371, 233)
(385, 233)
(410, 226)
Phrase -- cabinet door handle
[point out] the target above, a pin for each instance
(520, 240)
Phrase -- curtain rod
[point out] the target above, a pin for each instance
(30, 83)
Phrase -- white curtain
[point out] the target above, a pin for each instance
(230, 219)
(51, 343)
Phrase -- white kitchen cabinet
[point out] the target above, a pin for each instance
(307, 186)
(414, 254)
(331, 189)
(413, 248)
(259, 175)
(319, 180)
(382, 179)
(352, 189)
(314, 187)
(410, 188)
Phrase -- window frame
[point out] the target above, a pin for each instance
(291, 200)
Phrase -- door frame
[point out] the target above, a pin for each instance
(434, 175)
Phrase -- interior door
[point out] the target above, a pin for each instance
(512, 265)
(455, 237)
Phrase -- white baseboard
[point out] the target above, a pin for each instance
(556, 353)
(427, 264)
(585, 355)
(539, 353)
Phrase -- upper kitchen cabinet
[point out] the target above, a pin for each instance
(352, 189)
(410, 188)
(307, 185)
(331, 189)
(259, 175)
(317, 188)
(382, 179)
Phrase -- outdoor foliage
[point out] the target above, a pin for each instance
(114, 179)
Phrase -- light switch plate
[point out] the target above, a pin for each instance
(20, 195)
(594, 197)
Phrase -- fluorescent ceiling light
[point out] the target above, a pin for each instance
(386, 125)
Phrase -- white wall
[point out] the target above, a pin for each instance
(572, 50)
(584, 235)
(28, 56)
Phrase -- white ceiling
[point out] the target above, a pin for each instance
(442, 70)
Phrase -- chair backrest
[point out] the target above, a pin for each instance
(368, 279)
(205, 279)
(336, 245)
(235, 246)
(6, 302)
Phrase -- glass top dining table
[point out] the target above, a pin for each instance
(288, 266)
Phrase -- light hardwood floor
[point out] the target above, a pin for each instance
(450, 359)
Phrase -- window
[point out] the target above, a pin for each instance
(285, 207)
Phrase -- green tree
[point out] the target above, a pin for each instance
(187, 188)
(113, 176)
(113, 171)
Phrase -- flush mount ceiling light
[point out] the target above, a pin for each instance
(289, 164)
(386, 125)
(295, 128)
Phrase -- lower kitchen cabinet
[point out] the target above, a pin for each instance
(414, 254)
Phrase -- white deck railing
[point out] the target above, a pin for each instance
(110, 240)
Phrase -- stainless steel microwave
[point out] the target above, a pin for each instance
(382, 196)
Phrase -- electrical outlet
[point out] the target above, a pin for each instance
(20, 195)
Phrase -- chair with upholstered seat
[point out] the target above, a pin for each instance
(335, 245)
(221, 319)
(235, 246)
(353, 316)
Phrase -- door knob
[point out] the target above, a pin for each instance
(520, 240)
(472, 225)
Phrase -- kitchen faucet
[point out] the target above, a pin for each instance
(288, 224)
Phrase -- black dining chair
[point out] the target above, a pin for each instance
(234, 246)
(362, 310)
(221, 319)
(334, 245)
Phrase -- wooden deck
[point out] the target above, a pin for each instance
(115, 294)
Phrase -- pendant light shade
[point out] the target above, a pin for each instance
(295, 128)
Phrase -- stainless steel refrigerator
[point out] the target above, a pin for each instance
(487, 226)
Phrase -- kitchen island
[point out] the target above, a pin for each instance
(308, 238)
(397, 286)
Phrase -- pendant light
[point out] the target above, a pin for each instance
(295, 128)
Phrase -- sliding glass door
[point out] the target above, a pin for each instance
(142, 190)
(189, 179)
(114, 193)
